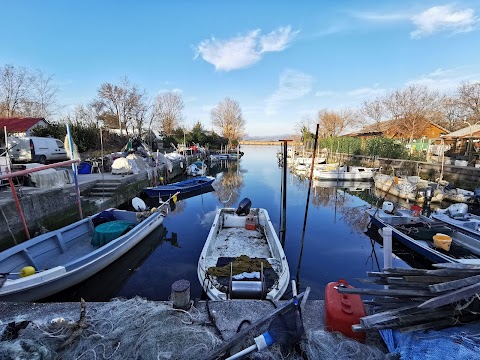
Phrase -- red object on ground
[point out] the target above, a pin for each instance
(343, 310)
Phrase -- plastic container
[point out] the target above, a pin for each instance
(84, 168)
(251, 222)
(442, 241)
(343, 310)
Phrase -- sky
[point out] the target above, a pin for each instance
(281, 60)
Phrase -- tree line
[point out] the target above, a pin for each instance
(409, 110)
(123, 106)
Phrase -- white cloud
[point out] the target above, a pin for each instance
(445, 80)
(292, 85)
(243, 51)
(443, 18)
(278, 39)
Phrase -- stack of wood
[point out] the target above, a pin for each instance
(419, 299)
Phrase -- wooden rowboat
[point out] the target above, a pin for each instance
(62, 258)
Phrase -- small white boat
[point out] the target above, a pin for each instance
(198, 168)
(242, 257)
(346, 173)
(54, 261)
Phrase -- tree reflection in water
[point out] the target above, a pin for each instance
(229, 184)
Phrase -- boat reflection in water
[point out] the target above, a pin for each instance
(106, 284)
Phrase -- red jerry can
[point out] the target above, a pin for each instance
(343, 310)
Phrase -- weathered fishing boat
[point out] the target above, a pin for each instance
(242, 257)
(434, 240)
(410, 188)
(179, 187)
(358, 173)
(457, 216)
(62, 258)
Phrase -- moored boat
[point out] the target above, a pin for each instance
(54, 261)
(457, 216)
(180, 186)
(242, 257)
(359, 173)
(410, 188)
(421, 234)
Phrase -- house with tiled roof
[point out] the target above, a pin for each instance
(388, 129)
(21, 126)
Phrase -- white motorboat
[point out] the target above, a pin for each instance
(242, 257)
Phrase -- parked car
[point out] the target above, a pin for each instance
(36, 149)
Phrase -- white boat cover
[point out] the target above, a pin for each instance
(122, 166)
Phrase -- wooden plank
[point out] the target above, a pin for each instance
(457, 266)
(429, 279)
(451, 297)
(387, 315)
(455, 284)
(405, 271)
(385, 292)
(441, 323)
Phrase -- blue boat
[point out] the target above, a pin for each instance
(180, 187)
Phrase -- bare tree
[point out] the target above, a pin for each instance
(167, 111)
(468, 96)
(452, 112)
(333, 123)
(412, 109)
(373, 112)
(15, 84)
(120, 102)
(44, 94)
(227, 116)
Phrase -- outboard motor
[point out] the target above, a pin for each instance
(244, 207)
(426, 210)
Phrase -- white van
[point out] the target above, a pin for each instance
(36, 149)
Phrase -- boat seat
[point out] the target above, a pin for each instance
(30, 259)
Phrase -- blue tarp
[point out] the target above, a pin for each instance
(460, 342)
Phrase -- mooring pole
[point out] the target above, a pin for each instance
(74, 168)
(283, 219)
(306, 206)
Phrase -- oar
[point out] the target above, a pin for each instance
(394, 181)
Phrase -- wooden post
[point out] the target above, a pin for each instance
(283, 217)
(181, 294)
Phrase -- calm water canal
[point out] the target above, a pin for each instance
(335, 245)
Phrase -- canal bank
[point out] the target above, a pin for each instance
(53, 207)
(141, 329)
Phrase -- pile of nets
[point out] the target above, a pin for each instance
(120, 329)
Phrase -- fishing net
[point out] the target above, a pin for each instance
(120, 329)
(334, 346)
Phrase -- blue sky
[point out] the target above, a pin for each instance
(281, 60)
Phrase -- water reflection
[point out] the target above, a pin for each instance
(229, 184)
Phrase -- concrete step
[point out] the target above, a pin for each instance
(100, 193)
(106, 186)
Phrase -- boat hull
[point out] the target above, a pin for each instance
(274, 252)
(180, 187)
(60, 277)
